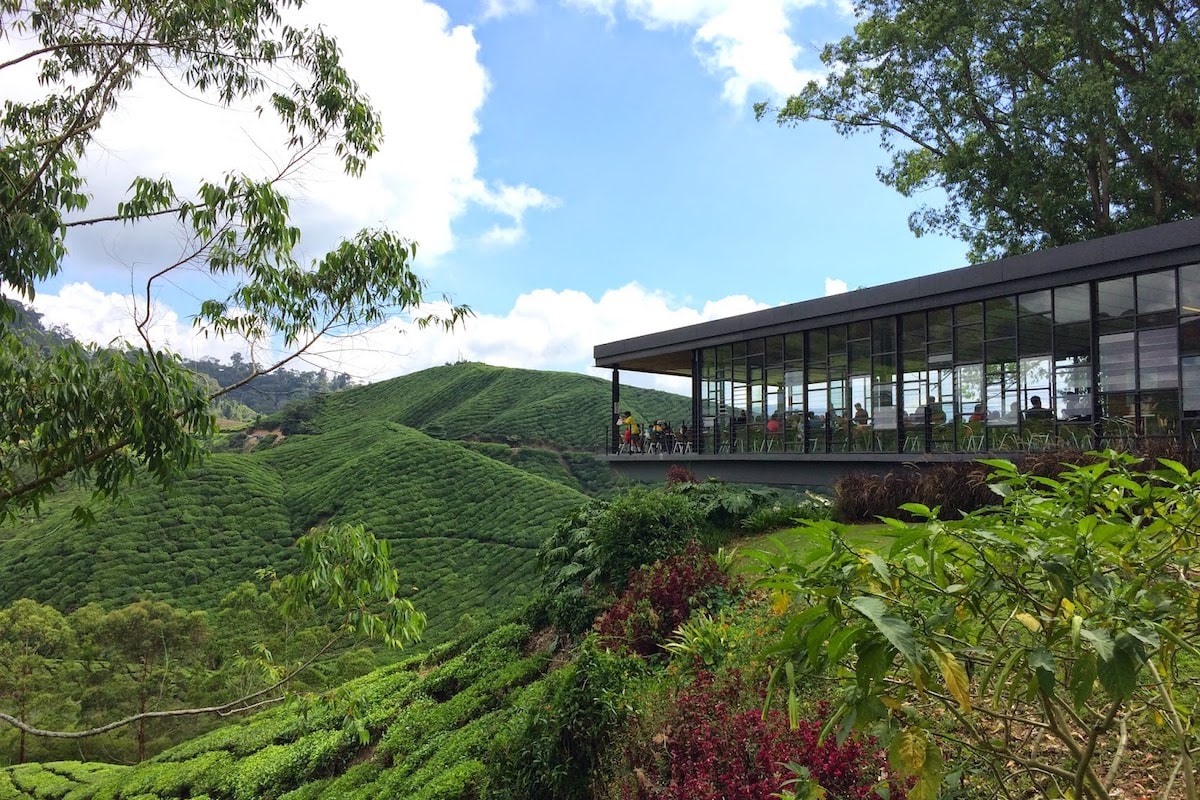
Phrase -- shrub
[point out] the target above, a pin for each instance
(680, 474)
(639, 528)
(714, 743)
(566, 727)
(660, 598)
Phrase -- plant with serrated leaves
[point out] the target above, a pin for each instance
(1033, 639)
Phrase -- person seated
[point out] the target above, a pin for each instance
(1014, 412)
(1036, 410)
(980, 414)
(860, 414)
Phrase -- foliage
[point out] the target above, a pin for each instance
(73, 415)
(710, 741)
(1044, 123)
(785, 514)
(556, 753)
(433, 501)
(661, 597)
(499, 404)
(955, 488)
(1066, 616)
(724, 506)
(678, 473)
(348, 573)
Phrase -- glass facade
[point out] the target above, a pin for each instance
(1107, 363)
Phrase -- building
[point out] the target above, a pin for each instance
(1095, 344)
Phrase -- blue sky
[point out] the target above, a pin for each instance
(576, 171)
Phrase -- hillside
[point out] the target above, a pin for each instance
(478, 401)
(464, 526)
(465, 516)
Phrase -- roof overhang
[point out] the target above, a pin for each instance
(670, 352)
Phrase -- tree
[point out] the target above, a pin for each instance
(102, 417)
(33, 638)
(346, 581)
(1044, 122)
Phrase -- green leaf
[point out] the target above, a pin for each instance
(1083, 679)
(1118, 674)
(894, 629)
(1042, 661)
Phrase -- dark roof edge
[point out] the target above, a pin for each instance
(927, 288)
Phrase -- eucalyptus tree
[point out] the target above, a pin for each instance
(1043, 123)
(101, 417)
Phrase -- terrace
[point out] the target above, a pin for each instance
(1104, 334)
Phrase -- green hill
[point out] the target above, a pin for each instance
(471, 400)
(464, 526)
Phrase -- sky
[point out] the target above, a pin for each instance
(576, 171)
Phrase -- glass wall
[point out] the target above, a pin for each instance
(1107, 363)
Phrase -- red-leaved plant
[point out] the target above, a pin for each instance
(709, 746)
(660, 598)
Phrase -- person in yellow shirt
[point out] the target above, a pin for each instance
(632, 433)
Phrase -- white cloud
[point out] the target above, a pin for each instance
(496, 9)
(747, 44)
(835, 286)
(422, 73)
(110, 318)
(545, 329)
(512, 202)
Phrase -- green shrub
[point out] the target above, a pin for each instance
(555, 754)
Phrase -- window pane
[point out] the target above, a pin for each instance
(1003, 350)
(913, 326)
(939, 325)
(1116, 363)
(1001, 317)
(1156, 298)
(1191, 383)
(859, 330)
(1035, 303)
(1189, 336)
(968, 314)
(1072, 344)
(1033, 335)
(1071, 304)
(1158, 359)
(860, 357)
(968, 343)
(883, 333)
(774, 349)
(793, 345)
(1114, 298)
(837, 340)
(1155, 292)
(1189, 289)
(818, 346)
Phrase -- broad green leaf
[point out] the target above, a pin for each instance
(894, 629)
(1042, 661)
(1083, 679)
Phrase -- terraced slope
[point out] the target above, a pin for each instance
(433, 723)
(464, 527)
(189, 545)
(568, 410)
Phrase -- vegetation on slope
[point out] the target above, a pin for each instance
(464, 527)
(472, 400)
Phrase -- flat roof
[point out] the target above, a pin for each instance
(669, 352)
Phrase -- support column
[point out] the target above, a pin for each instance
(614, 445)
